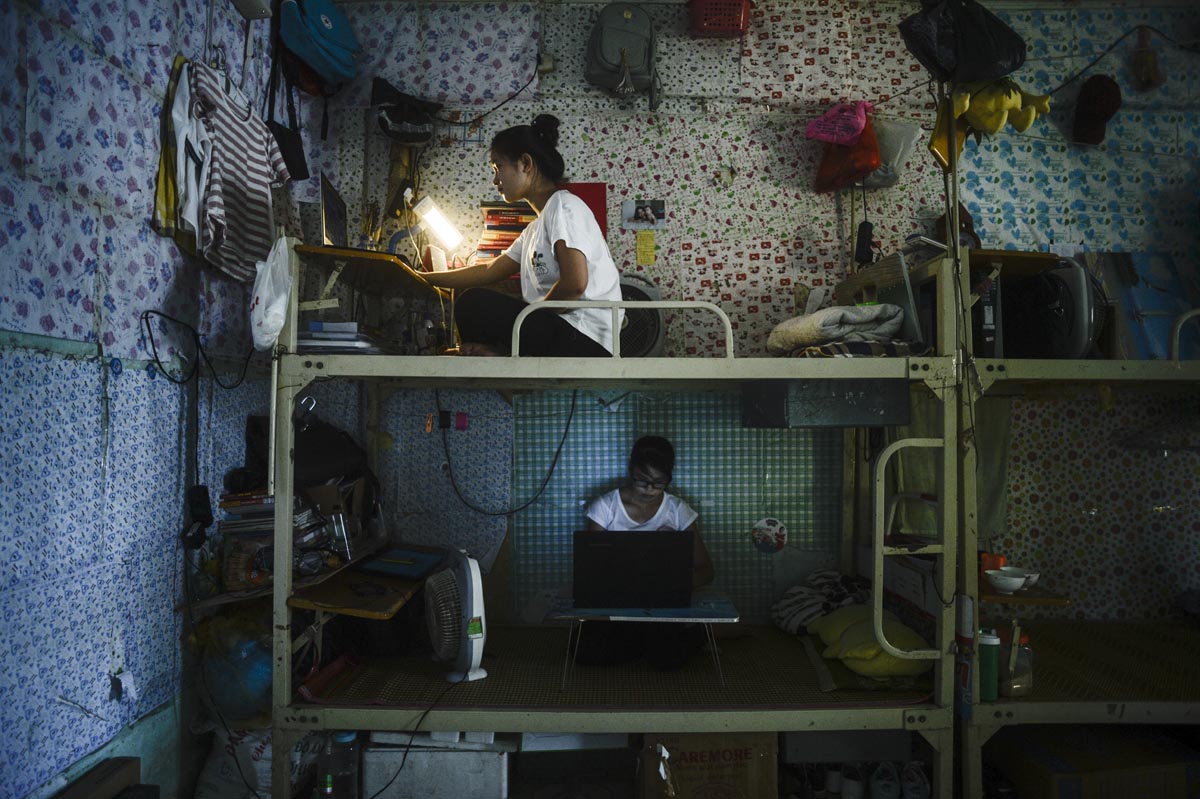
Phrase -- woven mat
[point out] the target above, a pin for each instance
(764, 668)
(1139, 661)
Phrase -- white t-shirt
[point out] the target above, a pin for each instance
(609, 512)
(567, 218)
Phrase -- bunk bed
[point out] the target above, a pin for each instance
(404, 695)
(1142, 672)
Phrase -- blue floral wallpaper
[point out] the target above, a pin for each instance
(92, 479)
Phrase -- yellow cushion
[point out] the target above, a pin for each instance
(831, 626)
(886, 665)
(858, 641)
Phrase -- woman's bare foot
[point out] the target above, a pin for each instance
(476, 349)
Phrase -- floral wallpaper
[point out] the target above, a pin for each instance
(1102, 501)
(79, 147)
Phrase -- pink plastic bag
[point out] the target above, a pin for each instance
(842, 124)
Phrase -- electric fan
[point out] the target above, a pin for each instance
(643, 333)
(455, 618)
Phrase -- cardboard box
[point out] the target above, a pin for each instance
(433, 772)
(1094, 762)
(732, 765)
(105, 780)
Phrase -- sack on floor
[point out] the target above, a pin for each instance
(621, 52)
(239, 764)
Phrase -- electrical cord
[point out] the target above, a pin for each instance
(212, 703)
(546, 481)
(200, 353)
(1185, 47)
(496, 107)
(412, 736)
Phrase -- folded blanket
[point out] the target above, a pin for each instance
(855, 349)
(838, 323)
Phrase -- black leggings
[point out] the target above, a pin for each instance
(486, 317)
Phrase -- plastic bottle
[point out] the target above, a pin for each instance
(989, 665)
(1016, 675)
(338, 766)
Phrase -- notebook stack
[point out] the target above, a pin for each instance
(341, 337)
(502, 223)
(247, 529)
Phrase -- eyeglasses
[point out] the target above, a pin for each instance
(638, 483)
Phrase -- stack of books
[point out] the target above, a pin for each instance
(247, 525)
(340, 337)
(253, 513)
(502, 223)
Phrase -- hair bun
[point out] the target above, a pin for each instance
(546, 127)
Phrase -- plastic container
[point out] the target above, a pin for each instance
(988, 644)
(718, 19)
(337, 767)
(339, 533)
(1016, 677)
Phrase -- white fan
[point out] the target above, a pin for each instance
(643, 333)
(455, 618)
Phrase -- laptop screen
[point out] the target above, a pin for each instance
(334, 232)
(633, 569)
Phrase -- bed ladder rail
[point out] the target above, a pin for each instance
(879, 551)
(616, 306)
(1177, 330)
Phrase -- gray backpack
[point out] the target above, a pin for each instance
(620, 52)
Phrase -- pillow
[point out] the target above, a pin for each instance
(822, 591)
(800, 606)
(886, 665)
(858, 640)
(831, 626)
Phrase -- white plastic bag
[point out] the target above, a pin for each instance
(239, 764)
(269, 302)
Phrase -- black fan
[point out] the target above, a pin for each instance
(643, 333)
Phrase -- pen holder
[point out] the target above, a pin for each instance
(339, 535)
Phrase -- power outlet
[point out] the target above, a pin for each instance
(545, 63)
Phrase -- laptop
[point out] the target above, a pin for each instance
(633, 569)
(334, 225)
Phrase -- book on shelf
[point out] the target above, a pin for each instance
(518, 207)
(361, 345)
(332, 335)
(321, 326)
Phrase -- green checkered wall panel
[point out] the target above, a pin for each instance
(731, 475)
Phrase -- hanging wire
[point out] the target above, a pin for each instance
(494, 108)
(1190, 48)
(545, 481)
(201, 355)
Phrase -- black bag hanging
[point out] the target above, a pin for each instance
(291, 144)
(961, 41)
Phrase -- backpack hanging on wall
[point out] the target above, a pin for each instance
(621, 50)
(320, 36)
(316, 50)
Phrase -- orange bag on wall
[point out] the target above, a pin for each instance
(843, 165)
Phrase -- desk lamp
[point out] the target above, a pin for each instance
(441, 228)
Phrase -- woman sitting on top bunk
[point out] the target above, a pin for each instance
(561, 255)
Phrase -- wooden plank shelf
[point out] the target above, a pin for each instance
(1025, 596)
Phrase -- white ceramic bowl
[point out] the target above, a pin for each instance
(1004, 583)
(1015, 571)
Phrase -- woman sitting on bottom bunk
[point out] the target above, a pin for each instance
(561, 255)
(644, 504)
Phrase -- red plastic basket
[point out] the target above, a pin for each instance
(719, 19)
